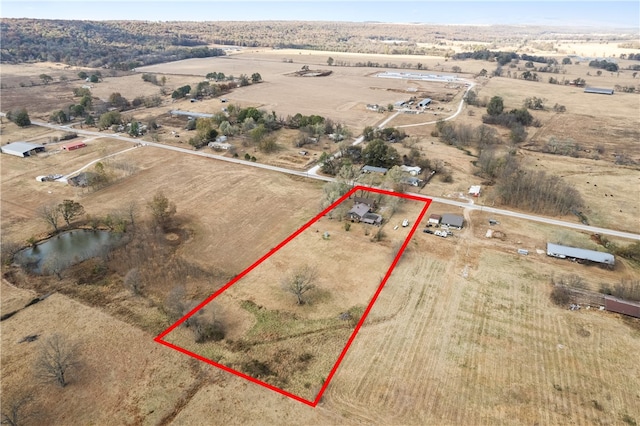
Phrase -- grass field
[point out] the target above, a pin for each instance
(464, 332)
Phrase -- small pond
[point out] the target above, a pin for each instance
(66, 249)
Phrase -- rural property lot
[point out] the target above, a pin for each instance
(463, 332)
(291, 348)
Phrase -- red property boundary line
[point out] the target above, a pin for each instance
(160, 337)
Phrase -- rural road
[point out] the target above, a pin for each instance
(308, 174)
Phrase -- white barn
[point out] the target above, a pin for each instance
(22, 149)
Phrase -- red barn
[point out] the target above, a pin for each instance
(620, 306)
(73, 145)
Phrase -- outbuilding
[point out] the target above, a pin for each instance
(452, 221)
(474, 191)
(625, 307)
(598, 91)
(565, 252)
(22, 149)
(73, 145)
(435, 219)
(425, 102)
(372, 169)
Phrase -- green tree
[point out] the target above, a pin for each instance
(108, 119)
(495, 106)
(76, 110)
(83, 75)
(69, 210)
(330, 61)
(380, 154)
(59, 117)
(243, 80)
(256, 77)
(20, 118)
(94, 78)
(566, 61)
(46, 79)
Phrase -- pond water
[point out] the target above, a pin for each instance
(66, 249)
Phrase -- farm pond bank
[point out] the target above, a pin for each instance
(66, 249)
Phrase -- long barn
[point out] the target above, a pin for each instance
(565, 252)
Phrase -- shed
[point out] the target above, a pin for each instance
(425, 102)
(452, 220)
(435, 219)
(563, 252)
(598, 91)
(372, 169)
(621, 306)
(22, 149)
(474, 190)
(73, 145)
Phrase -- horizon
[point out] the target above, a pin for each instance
(573, 14)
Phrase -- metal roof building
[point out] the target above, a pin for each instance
(424, 102)
(598, 91)
(372, 169)
(564, 252)
(22, 149)
(452, 220)
(620, 306)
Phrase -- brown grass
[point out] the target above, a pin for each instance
(438, 348)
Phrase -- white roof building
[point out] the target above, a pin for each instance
(22, 149)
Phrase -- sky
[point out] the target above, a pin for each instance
(577, 13)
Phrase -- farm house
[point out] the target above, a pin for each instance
(564, 252)
(452, 221)
(73, 145)
(22, 149)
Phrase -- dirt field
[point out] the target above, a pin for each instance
(464, 331)
(298, 345)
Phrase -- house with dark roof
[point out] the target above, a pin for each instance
(452, 220)
(366, 201)
(362, 213)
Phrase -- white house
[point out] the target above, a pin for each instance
(474, 190)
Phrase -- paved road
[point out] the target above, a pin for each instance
(465, 205)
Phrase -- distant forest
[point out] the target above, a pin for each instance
(127, 44)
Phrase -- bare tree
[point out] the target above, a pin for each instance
(133, 281)
(54, 265)
(18, 409)
(50, 214)
(300, 281)
(57, 356)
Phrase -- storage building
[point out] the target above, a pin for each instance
(22, 149)
(564, 252)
